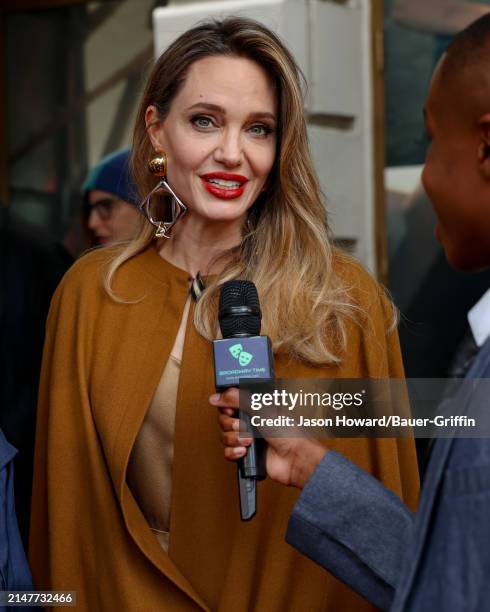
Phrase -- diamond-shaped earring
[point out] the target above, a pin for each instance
(158, 167)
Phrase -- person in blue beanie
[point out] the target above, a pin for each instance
(110, 200)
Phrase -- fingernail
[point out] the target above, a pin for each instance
(239, 451)
(215, 398)
(235, 425)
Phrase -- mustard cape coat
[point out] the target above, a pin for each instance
(102, 363)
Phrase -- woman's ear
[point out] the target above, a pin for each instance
(153, 127)
(484, 146)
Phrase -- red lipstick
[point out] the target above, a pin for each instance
(224, 185)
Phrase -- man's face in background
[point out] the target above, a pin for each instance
(454, 175)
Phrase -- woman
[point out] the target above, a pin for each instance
(129, 464)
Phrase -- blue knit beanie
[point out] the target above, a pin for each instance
(112, 174)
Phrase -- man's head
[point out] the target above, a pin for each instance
(457, 170)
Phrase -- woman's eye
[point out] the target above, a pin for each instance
(260, 130)
(202, 122)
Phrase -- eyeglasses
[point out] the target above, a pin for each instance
(155, 208)
(103, 208)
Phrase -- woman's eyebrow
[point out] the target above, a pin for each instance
(104, 201)
(219, 109)
(263, 115)
(208, 106)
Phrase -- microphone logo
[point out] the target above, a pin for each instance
(243, 357)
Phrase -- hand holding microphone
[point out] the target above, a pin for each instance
(289, 461)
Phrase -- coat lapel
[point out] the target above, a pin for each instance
(143, 363)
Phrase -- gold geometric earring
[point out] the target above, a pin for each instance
(158, 167)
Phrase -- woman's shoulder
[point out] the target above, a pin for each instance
(87, 271)
(95, 277)
(352, 273)
(82, 294)
(372, 342)
(90, 269)
(365, 291)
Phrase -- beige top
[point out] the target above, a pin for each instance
(149, 473)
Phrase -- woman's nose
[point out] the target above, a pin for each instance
(94, 219)
(229, 150)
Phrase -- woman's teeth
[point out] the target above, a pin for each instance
(225, 184)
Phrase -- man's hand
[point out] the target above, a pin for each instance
(289, 461)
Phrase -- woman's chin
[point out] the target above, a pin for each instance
(219, 213)
(103, 240)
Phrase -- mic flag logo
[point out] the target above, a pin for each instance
(243, 357)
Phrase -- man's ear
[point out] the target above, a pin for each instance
(484, 146)
(153, 127)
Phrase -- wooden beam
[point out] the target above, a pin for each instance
(47, 131)
(17, 6)
(100, 15)
(380, 225)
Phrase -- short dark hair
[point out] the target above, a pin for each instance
(469, 48)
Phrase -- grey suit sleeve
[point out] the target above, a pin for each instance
(348, 522)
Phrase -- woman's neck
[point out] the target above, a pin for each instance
(196, 244)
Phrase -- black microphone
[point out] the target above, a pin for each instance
(243, 353)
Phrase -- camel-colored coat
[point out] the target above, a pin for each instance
(102, 363)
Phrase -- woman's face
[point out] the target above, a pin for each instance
(111, 219)
(219, 137)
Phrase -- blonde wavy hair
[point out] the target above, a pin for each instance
(286, 248)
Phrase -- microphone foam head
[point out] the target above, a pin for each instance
(239, 309)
